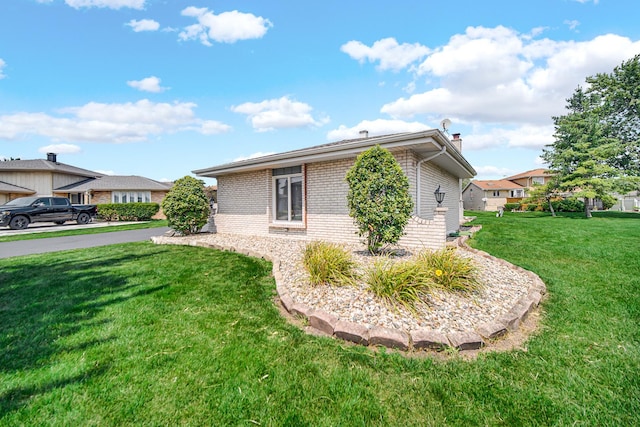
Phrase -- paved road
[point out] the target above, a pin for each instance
(53, 244)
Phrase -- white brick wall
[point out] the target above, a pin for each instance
(245, 199)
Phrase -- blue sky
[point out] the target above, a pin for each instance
(162, 87)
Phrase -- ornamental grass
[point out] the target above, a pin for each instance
(329, 264)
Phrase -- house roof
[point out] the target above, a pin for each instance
(44, 165)
(5, 187)
(496, 184)
(117, 182)
(530, 174)
(430, 144)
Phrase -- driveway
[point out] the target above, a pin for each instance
(53, 244)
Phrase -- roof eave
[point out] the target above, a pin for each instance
(346, 150)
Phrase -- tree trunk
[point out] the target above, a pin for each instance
(553, 213)
(587, 208)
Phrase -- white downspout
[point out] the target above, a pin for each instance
(442, 151)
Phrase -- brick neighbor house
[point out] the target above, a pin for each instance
(303, 193)
(48, 177)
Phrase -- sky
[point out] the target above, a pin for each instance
(160, 88)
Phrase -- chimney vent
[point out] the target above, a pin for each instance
(52, 157)
(364, 133)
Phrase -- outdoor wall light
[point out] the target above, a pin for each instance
(439, 196)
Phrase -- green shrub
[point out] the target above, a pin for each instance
(186, 206)
(449, 270)
(608, 201)
(127, 211)
(328, 264)
(378, 198)
(511, 206)
(570, 204)
(398, 283)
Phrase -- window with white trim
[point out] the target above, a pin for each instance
(130, 196)
(287, 194)
(538, 180)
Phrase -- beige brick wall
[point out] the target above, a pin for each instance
(245, 204)
(102, 197)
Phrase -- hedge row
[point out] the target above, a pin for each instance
(127, 211)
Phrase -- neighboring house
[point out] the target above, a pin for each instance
(489, 195)
(530, 178)
(303, 193)
(39, 177)
(49, 177)
(118, 189)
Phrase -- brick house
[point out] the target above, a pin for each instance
(119, 189)
(303, 193)
(40, 177)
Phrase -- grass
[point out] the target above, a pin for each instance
(87, 230)
(328, 263)
(139, 334)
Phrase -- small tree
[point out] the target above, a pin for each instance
(378, 198)
(186, 205)
(544, 193)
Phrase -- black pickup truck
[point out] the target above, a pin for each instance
(19, 213)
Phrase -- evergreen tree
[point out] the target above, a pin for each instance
(378, 198)
(597, 146)
(186, 206)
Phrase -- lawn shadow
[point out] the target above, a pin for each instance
(44, 300)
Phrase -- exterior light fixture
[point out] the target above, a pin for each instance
(439, 196)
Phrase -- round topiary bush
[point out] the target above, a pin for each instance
(186, 206)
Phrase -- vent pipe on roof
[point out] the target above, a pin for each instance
(52, 157)
(364, 133)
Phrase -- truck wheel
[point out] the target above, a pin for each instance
(19, 223)
(83, 218)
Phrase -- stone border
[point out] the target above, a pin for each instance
(421, 339)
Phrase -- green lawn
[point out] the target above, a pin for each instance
(140, 334)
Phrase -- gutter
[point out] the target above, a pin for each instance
(443, 149)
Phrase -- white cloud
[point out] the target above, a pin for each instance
(144, 25)
(496, 75)
(525, 136)
(2, 65)
(227, 27)
(60, 149)
(148, 84)
(111, 4)
(375, 128)
(212, 127)
(493, 172)
(279, 113)
(253, 156)
(392, 56)
(572, 24)
(111, 123)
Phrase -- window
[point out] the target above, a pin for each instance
(496, 193)
(517, 193)
(287, 194)
(538, 180)
(131, 197)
